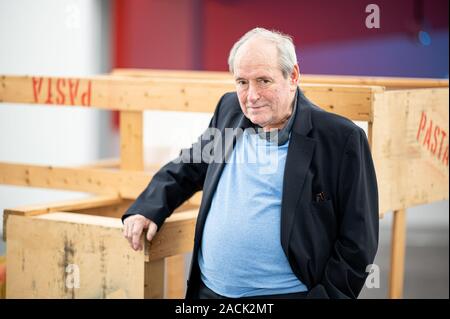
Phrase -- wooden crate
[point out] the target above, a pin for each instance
(404, 116)
(71, 255)
(87, 233)
(2, 277)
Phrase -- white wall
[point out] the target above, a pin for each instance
(57, 38)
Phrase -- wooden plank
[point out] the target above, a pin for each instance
(114, 210)
(124, 184)
(154, 279)
(162, 245)
(352, 102)
(196, 199)
(410, 147)
(69, 205)
(131, 141)
(2, 277)
(398, 246)
(104, 205)
(103, 163)
(173, 238)
(115, 94)
(370, 134)
(42, 249)
(114, 163)
(388, 82)
(167, 94)
(175, 277)
(132, 158)
(176, 236)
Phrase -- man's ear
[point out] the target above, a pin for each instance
(294, 77)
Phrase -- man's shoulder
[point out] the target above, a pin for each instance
(230, 99)
(228, 107)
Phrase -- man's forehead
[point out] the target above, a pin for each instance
(259, 49)
(256, 57)
(255, 70)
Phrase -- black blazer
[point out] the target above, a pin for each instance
(329, 210)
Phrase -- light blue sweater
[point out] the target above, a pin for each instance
(241, 253)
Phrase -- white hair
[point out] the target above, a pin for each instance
(286, 50)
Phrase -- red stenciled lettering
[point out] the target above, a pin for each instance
(73, 90)
(445, 157)
(442, 141)
(426, 140)
(439, 138)
(434, 143)
(86, 96)
(49, 92)
(37, 86)
(423, 122)
(62, 91)
(60, 84)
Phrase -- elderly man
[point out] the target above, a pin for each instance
(305, 228)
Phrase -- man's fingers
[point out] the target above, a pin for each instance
(133, 228)
(126, 229)
(136, 234)
(129, 235)
(152, 228)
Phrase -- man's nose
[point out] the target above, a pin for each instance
(253, 94)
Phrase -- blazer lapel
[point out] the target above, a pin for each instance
(300, 153)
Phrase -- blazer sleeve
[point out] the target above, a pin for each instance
(176, 181)
(358, 216)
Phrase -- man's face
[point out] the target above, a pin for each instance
(264, 94)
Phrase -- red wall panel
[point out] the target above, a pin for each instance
(155, 33)
(198, 34)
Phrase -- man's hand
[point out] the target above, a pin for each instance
(133, 227)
